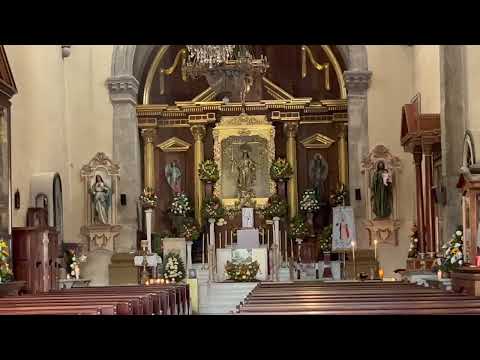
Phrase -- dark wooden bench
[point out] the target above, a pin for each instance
(47, 309)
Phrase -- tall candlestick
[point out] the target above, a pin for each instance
(226, 238)
(291, 249)
(231, 237)
(203, 251)
(220, 239)
(354, 264)
(268, 239)
(286, 247)
(375, 242)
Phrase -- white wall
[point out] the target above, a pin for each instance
(391, 87)
(426, 76)
(472, 78)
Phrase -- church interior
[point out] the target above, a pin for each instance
(239, 179)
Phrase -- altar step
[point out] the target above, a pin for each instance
(222, 298)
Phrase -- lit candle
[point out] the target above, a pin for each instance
(162, 281)
(167, 282)
(439, 275)
(158, 281)
(380, 273)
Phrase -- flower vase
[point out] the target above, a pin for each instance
(209, 188)
(327, 271)
(282, 188)
(310, 216)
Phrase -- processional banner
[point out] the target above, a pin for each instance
(343, 231)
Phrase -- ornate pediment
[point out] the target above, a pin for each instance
(100, 160)
(7, 84)
(317, 141)
(174, 144)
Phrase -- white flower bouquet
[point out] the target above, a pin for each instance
(173, 269)
(180, 205)
(453, 252)
(309, 202)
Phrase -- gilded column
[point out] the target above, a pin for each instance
(198, 132)
(148, 136)
(291, 131)
(343, 155)
(429, 223)
(417, 156)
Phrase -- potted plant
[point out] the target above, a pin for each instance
(148, 198)
(276, 207)
(179, 210)
(173, 268)
(212, 208)
(209, 174)
(339, 197)
(190, 230)
(297, 229)
(242, 272)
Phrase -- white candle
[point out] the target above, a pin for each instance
(375, 247)
(268, 239)
(439, 275)
(231, 237)
(220, 239)
(203, 250)
(226, 238)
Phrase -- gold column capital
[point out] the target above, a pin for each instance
(291, 129)
(149, 134)
(198, 132)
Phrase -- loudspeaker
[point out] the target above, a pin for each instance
(17, 199)
(358, 195)
(123, 199)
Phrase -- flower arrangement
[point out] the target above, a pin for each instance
(276, 207)
(190, 230)
(309, 202)
(339, 197)
(212, 208)
(73, 263)
(231, 212)
(148, 198)
(326, 239)
(180, 205)
(413, 248)
(297, 229)
(208, 171)
(173, 268)
(281, 170)
(453, 252)
(6, 273)
(242, 271)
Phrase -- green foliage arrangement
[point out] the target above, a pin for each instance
(6, 273)
(276, 207)
(148, 198)
(208, 171)
(281, 170)
(180, 205)
(190, 230)
(309, 202)
(212, 208)
(326, 239)
(298, 228)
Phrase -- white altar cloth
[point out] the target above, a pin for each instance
(258, 254)
(152, 260)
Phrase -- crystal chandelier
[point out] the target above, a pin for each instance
(203, 59)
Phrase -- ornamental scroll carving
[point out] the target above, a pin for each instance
(100, 177)
(382, 222)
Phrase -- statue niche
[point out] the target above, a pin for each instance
(380, 168)
(100, 178)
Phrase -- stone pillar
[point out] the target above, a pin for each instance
(292, 189)
(429, 223)
(198, 132)
(126, 152)
(148, 136)
(453, 113)
(417, 156)
(357, 83)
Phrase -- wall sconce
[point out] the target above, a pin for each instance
(66, 51)
(17, 199)
(123, 199)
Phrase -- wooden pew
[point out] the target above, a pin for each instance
(60, 310)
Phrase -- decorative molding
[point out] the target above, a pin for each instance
(198, 132)
(174, 144)
(123, 89)
(317, 141)
(357, 82)
(7, 83)
(100, 160)
(149, 134)
(101, 237)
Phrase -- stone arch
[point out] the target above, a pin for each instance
(128, 62)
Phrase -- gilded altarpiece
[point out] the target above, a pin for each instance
(232, 134)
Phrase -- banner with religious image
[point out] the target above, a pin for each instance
(343, 232)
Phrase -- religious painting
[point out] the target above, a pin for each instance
(173, 175)
(381, 187)
(343, 232)
(242, 256)
(101, 195)
(245, 166)
(318, 173)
